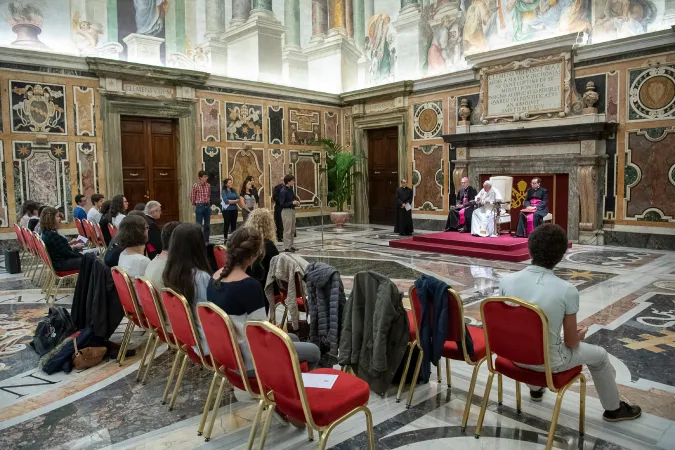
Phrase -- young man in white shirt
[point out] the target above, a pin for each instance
(559, 300)
(94, 214)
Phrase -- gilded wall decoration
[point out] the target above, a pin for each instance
(304, 126)
(242, 163)
(85, 119)
(38, 108)
(651, 93)
(331, 127)
(649, 188)
(305, 166)
(428, 120)
(277, 167)
(213, 165)
(87, 170)
(209, 111)
(243, 122)
(42, 174)
(4, 208)
(429, 164)
(275, 124)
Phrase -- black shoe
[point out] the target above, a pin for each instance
(518, 236)
(536, 396)
(625, 412)
(293, 249)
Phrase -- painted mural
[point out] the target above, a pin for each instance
(437, 34)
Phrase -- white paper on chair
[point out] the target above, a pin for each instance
(408, 207)
(318, 380)
(82, 239)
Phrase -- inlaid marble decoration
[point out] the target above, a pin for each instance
(304, 126)
(213, 165)
(4, 209)
(242, 163)
(277, 167)
(612, 107)
(85, 119)
(348, 130)
(610, 180)
(38, 108)
(648, 175)
(305, 167)
(209, 111)
(331, 127)
(243, 122)
(87, 169)
(428, 120)
(452, 115)
(651, 93)
(42, 174)
(275, 124)
(428, 163)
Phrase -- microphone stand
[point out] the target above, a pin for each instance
(321, 206)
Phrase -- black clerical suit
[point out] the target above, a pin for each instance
(464, 195)
(404, 223)
(277, 211)
(540, 194)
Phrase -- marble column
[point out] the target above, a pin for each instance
(359, 25)
(293, 60)
(349, 17)
(336, 18)
(369, 9)
(319, 20)
(240, 12)
(292, 23)
(215, 18)
(262, 10)
(409, 4)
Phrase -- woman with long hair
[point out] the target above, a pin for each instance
(131, 238)
(64, 254)
(242, 297)
(28, 210)
(187, 268)
(262, 221)
(118, 210)
(246, 199)
(230, 210)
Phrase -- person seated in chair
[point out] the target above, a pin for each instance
(64, 254)
(459, 217)
(536, 208)
(483, 218)
(559, 300)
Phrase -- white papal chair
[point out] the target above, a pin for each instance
(505, 186)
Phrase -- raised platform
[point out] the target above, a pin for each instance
(502, 248)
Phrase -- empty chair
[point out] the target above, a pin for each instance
(220, 253)
(415, 320)
(80, 227)
(280, 300)
(113, 230)
(132, 310)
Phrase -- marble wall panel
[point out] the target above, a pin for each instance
(651, 93)
(242, 163)
(209, 112)
(610, 180)
(612, 108)
(428, 177)
(276, 167)
(38, 108)
(331, 127)
(649, 175)
(275, 124)
(305, 167)
(243, 122)
(428, 120)
(84, 108)
(87, 170)
(348, 130)
(4, 208)
(452, 115)
(213, 165)
(304, 126)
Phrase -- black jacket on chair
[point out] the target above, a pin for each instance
(154, 245)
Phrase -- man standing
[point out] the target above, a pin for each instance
(536, 208)
(200, 196)
(404, 198)
(537, 284)
(288, 203)
(94, 214)
(79, 212)
(459, 217)
(276, 192)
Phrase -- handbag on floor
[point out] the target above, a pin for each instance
(52, 330)
(88, 357)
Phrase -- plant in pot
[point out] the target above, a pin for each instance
(342, 173)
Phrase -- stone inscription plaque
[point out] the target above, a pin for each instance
(148, 91)
(535, 89)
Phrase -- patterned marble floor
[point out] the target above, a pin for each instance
(627, 300)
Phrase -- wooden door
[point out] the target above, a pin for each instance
(383, 175)
(149, 163)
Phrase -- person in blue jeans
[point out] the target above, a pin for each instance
(230, 209)
(200, 196)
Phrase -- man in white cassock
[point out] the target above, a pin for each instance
(483, 219)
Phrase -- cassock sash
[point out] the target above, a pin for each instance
(461, 211)
(530, 216)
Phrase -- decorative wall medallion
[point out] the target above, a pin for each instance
(428, 188)
(85, 119)
(305, 126)
(331, 126)
(87, 169)
(305, 167)
(243, 122)
(4, 212)
(38, 108)
(428, 120)
(209, 111)
(651, 93)
(242, 163)
(212, 164)
(275, 125)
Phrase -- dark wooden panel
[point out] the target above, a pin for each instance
(161, 127)
(131, 125)
(133, 150)
(382, 175)
(165, 193)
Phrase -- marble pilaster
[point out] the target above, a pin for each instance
(408, 37)
(217, 51)
(292, 23)
(143, 49)
(215, 18)
(336, 18)
(333, 64)
(294, 66)
(369, 9)
(359, 25)
(241, 9)
(349, 17)
(319, 20)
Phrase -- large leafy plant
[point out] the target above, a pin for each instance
(341, 169)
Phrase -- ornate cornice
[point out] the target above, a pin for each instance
(144, 73)
(382, 92)
(532, 49)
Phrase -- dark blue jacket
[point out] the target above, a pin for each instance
(286, 198)
(63, 359)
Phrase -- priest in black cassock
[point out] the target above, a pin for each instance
(536, 208)
(459, 217)
(404, 198)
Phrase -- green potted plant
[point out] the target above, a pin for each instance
(342, 173)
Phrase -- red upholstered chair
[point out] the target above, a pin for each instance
(281, 386)
(220, 253)
(113, 230)
(95, 237)
(186, 337)
(80, 227)
(415, 320)
(517, 332)
(152, 307)
(132, 311)
(280, 300)
(33, 252)
(53, 276)
(25, 252)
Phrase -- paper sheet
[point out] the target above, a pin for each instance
(317, 380)
(82, 239)
(408, 207)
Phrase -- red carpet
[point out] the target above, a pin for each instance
(502, 248)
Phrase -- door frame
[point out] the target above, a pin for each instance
(114, 106)
(362, 123)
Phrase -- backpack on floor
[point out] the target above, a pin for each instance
(52, 330)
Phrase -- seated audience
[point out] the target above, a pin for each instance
(242, 297)
(118, 209)
(559, 300)
(139, 207)
(28, 210)
(34, 222)
(263, 222)
(152, 211)
(94, 214)
(79, 212)
(64, 254)
(155, 269)
(187, 269)
(131, 238)
(105, 220)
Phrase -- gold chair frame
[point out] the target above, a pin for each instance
(284, 318)
(267, 403)
(52, 277)
(547, 369)
(411, 347)
(126, 338)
